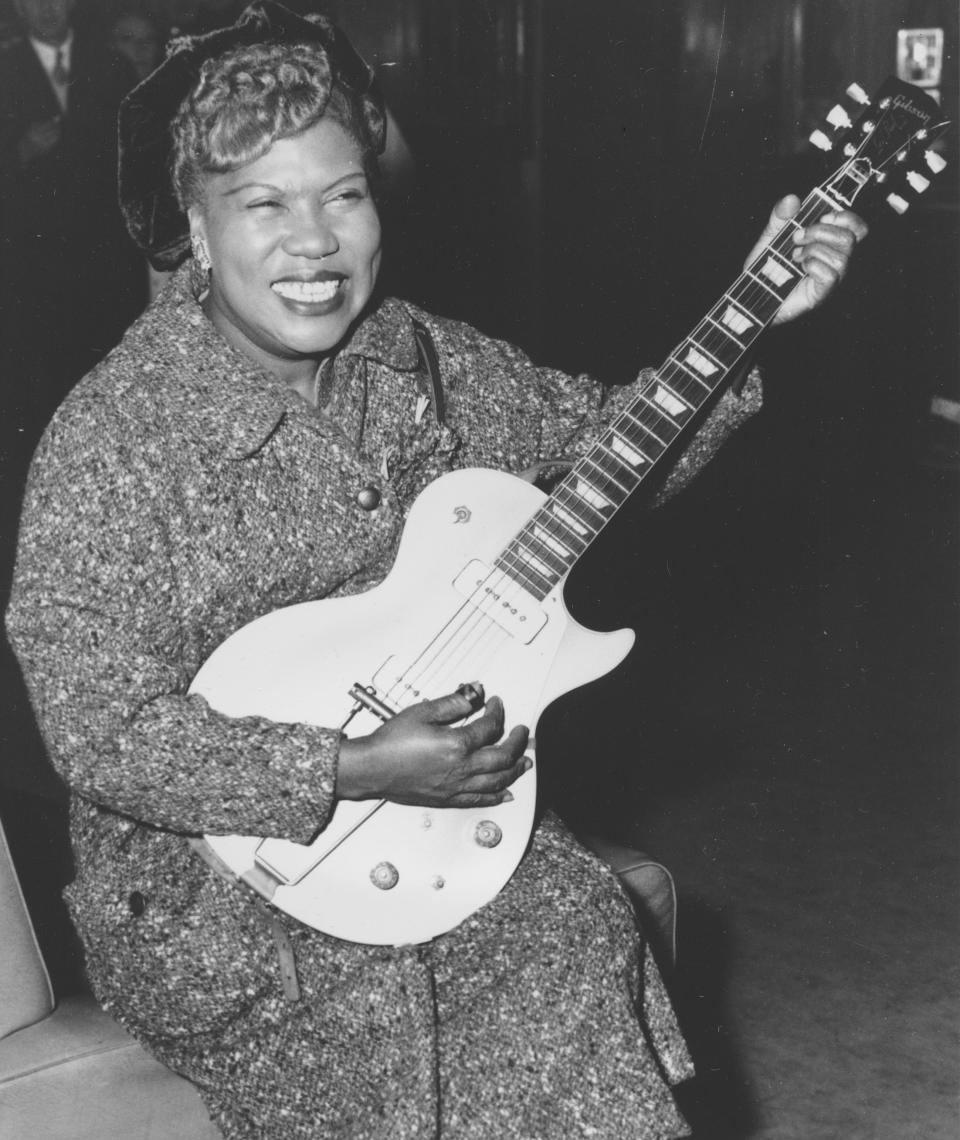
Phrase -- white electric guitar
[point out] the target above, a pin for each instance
(476, 594)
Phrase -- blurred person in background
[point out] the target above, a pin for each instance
(71, 279)
(136, 35)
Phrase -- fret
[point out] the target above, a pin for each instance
(705, 351)
(717, 343)
(627, 450)
(785, 260)
(562, 527)
(831, 203)
(592, 496)
(755, 277)
(576, 503)
(739, 318)
(694, 390)
(688, 369)
(574, 525)
(654, 444)
(609, 476)
(726, 332)
(523, 574)
(761, 307)
(776, 271)
(546, 538)
(540, 559)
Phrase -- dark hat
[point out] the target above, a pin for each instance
(147, 199)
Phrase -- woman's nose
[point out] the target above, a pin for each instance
(311, 236)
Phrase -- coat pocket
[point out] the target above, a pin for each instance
(174, 955)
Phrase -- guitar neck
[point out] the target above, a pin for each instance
(649, 432)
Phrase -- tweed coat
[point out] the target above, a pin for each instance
(178, 494)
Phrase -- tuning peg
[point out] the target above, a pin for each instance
(819, 139)
(858, 95)
(900, 205)
(880, 177)
(839, 119)
(917, 181)
(850, 150)
(936, 162)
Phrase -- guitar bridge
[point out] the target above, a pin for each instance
(366, 698)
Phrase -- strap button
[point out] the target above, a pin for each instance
(369, 498)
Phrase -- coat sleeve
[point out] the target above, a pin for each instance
(94, 619)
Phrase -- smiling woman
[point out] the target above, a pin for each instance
(256, 441)
(275, 168)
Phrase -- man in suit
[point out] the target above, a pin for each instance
(71, 281)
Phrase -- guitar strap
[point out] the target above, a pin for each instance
(428, 378)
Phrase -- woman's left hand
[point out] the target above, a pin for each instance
(822, 249)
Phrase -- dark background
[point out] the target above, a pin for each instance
(588, 180)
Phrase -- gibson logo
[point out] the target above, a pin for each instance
(901, 102)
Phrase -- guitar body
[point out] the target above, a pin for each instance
(380, 872)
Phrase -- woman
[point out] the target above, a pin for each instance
(253, 442)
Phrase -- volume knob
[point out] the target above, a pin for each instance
(487, 833)
(384, 876)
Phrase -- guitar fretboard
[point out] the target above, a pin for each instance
(628, 451)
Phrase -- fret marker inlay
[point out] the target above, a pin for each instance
(550, 542)
(534, 563)
(568, 519)
(698, 361)
(625, 451)
(591, 495)
(777, 273)
(736, 320)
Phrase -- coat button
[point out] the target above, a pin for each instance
(369, 498)
(137, 903)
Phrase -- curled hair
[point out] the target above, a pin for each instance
(251, 96)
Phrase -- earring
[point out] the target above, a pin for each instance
(200, 253)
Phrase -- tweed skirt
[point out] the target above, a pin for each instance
(542, 1016)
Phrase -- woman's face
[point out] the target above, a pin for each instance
(294, 241)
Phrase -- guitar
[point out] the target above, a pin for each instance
(476, 592)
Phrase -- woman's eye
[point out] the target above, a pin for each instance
(264, 203)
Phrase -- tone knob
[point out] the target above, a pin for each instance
(487, 833)
(369, 498)
(384, 876)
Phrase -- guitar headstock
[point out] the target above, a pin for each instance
(887, 140)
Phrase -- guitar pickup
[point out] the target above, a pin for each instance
(497, 595)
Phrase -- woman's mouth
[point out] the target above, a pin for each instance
(307, 292)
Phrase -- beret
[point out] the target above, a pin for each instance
(148, 202)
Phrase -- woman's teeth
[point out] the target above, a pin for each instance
(307, 292)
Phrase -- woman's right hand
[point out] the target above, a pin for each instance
(417, 758)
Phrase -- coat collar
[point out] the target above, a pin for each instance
(230, 403)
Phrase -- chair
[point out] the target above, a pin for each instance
(69, 1072)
